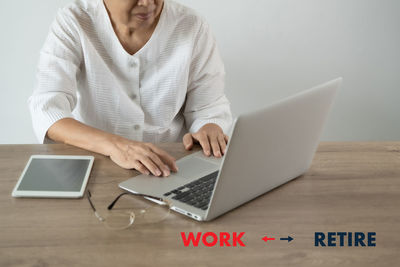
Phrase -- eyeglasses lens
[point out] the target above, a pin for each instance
(132, 209)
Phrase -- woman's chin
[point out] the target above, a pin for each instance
(137, 23)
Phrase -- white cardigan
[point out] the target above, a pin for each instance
(175, 83)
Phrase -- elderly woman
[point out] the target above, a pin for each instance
(116, 76)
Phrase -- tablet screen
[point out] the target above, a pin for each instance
(65, 175)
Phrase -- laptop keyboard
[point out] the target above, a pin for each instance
(196, 193)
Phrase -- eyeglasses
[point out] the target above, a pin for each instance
(133, 209)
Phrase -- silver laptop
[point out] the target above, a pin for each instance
(267, 148)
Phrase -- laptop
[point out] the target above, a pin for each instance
(267, 148)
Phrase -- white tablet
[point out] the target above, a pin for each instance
(54, 176)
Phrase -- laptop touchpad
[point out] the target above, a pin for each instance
(195, 167)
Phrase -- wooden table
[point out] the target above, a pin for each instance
(350, 187)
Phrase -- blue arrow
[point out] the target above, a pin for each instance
(289, 238)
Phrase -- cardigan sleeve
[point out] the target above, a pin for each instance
(55, 93)
(206, 101)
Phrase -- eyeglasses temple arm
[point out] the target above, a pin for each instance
(136, 194)
(89, 195)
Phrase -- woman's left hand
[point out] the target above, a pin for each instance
(211, 138)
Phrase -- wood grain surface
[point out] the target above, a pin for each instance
(350, 187)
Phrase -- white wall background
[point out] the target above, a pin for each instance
(271, 48)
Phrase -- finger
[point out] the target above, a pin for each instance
(188, 141)
(226, 138)
(150, 165)
(160, 164)
(141, 168)
(205, 144)
(215, 146)
(165, 157)
(222, 143)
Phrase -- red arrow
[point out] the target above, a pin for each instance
(266, 238)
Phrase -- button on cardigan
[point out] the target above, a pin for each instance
(173, 84)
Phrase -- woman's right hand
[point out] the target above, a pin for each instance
(144, 157)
